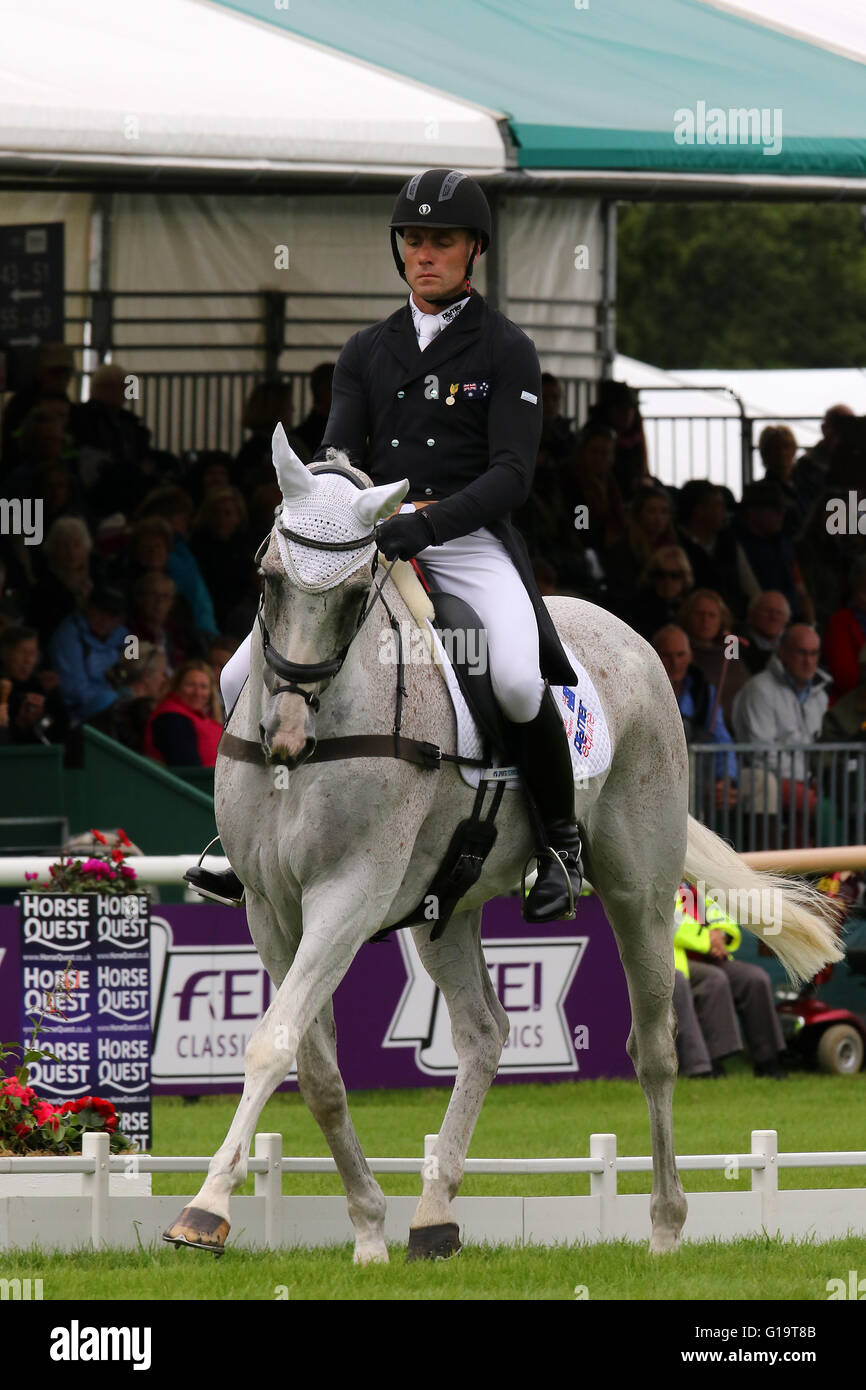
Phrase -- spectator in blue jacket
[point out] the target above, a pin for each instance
(84, 648)
(176, 506)
(699, 707)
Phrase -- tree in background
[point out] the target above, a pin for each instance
(742, 285)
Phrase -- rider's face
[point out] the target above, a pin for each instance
(435, 261)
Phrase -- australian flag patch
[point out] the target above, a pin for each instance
(475, 390)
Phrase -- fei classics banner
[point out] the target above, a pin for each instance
(562, 987)
(85, 974)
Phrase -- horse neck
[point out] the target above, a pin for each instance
(364, 689)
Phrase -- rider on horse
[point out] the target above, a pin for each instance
(447, 393)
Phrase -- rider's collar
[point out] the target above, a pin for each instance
(444, 316)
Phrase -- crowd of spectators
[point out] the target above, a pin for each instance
(143, 583)
(756, 608)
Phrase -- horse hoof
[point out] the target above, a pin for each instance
(664, 1242)
(201, 1230)
(433, 1242)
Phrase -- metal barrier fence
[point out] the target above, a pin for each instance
(784, 796)
(194, 408)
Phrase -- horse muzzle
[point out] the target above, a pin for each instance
(288, 733)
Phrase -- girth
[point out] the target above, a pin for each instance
(329, 750)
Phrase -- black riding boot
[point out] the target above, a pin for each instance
(223, 887)
(544, 759)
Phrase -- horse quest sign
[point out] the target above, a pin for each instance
(84, 973)
(561, 985)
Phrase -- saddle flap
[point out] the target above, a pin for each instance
(464, 638)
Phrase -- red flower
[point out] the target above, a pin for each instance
(117, 855)
(97, 836)
(46, 1114)
(11, 1087)
(22, 1129)
(124, 838)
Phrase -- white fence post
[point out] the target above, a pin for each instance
(270, 1184)
(766, 1180)
(430, 1167)
(95, 1185)
(603, 1185)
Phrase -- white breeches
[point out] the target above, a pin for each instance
(478, 569)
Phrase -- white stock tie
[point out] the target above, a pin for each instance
(429, 329)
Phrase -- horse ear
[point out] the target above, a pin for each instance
(294, 479)
(375, 502)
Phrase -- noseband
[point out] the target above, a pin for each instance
(293, 671)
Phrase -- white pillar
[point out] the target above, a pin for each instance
(603, 1185)
(95, 1185)
(766, 1180)
(270, 1185)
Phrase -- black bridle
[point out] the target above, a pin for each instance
(293, 671)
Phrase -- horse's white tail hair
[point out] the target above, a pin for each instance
(796, 920)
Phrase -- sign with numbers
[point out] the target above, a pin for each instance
(32, 281)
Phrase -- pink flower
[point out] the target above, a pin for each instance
(127, 871)
(46, 1114)
(30, 877)
(94, 866)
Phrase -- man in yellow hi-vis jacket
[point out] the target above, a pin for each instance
(723, 988)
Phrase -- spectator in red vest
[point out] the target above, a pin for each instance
(182, 731)
(845, 635)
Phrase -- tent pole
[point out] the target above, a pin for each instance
(607, 326)
(496, 261)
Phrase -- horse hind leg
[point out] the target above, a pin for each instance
(618, 863)
(322, 1087)
(479, 1028)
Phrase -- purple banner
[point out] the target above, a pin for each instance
(84, 974)
(562, 986)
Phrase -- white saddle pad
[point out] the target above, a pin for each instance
(582, 717)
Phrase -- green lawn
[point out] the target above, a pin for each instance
(745, 1269)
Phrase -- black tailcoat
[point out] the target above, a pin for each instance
(390, 412)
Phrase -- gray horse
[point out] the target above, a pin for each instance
(330, 852)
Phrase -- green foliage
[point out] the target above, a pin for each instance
(739, 285)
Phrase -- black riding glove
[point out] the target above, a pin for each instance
(401, 537)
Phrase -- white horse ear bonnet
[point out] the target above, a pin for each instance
(325, 514)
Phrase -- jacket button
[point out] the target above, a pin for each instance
(428, 492)
(400, 395)
(431, 442)
(394, 443)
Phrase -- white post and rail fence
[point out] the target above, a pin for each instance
(100, 1201)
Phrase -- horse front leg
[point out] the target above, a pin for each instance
(479, 1028)
(333, 934)
(322, 1087)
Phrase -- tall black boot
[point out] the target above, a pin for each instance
(544, 759)
(221, 887)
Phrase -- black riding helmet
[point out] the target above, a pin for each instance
(441, 198)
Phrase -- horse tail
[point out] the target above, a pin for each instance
(797, 921)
